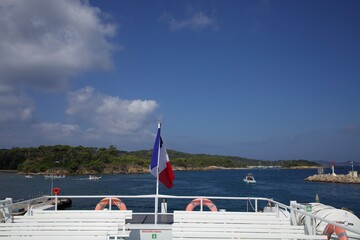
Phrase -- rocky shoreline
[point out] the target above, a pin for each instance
(334, 179)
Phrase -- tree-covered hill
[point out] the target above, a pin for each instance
(89, 160)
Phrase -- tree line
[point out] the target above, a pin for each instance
(84, 160)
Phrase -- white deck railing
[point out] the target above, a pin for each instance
(294, 210)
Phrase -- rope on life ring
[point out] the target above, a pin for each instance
(105, 201)
(340, 232)
(197, 202)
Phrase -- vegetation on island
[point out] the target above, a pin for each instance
(64, 159)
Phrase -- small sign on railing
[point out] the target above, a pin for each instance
(308, 208)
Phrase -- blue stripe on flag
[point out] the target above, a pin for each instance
(155, 154)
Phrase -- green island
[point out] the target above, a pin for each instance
(64, 159)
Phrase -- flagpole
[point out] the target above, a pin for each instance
(157, 181)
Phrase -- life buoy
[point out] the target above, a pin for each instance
(340, 232)
(56, 191)
(105, 201)
(197, 202)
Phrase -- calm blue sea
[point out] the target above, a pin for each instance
(280, 184)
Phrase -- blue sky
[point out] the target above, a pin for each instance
(266, 80)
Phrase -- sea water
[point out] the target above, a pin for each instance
(283, 185)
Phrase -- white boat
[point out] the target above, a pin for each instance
(53, 176)
(249, 178)
(43, 221)
(93, 177)
(29, 176)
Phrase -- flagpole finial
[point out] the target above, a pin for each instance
(159, 124)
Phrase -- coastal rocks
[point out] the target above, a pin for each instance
(334, 179)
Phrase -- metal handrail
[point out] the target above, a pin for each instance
(301, 211)
(294, 208)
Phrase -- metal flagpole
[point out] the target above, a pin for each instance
(157, 178)
(52, 185)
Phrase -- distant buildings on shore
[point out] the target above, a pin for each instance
(263, 167)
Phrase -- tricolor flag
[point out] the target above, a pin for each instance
(159, 155)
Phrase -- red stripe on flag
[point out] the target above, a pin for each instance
(167, 176)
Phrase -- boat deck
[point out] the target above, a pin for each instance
(44, 221)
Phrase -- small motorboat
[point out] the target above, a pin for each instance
(93, 177)
(250, 178)
(28, 176)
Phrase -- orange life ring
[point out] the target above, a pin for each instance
(105, 201)
(197, 202)
(340, 232)
(56, 191)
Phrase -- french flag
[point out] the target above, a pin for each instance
(159, 155)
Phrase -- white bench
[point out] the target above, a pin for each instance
(233, 225)
(54, 225)
(79, 213)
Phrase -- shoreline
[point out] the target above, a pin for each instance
(8, 171)
(135, 170)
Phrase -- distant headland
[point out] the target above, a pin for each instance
(64, 159)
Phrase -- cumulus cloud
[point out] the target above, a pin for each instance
(198, 21)
(108, 113)
(56, 131)
(92, 118)
(44, 43)
(15, 107)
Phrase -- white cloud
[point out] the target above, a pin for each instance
(44, 43)
(56, 131)
(197, 22)
(93, 119)
(15, 107)
(109, 114)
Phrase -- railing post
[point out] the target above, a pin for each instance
(7, 210)
(110, 203)
(256, 204)
(308, 221)
(293, 213)
(28, 208)
(201, 205)
(56, 203)
(164, 206)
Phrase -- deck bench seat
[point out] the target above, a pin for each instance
(66, 225)
(64, 235)
(82, 213)
(229, 225)
(56, 224)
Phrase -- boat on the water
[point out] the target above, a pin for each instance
(94, 177)
(249, 178)
(29, 176)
